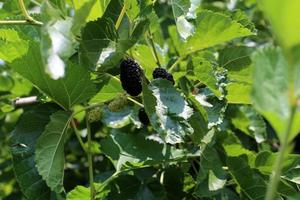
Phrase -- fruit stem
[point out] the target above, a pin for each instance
(176, 63)
(90, 158)
(275, 176)
(88, 108)
(119, 20)
(154, 52)
(135, 101)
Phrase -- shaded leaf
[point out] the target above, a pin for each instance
(250, 181)
(211, 177)
(135, 151)
(49, 154)
(30, 126)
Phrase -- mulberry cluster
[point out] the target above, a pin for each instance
(131, 77)
(162, 73)
(143, 117)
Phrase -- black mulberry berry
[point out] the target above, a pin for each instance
(162, 73)
(143, 117)
(131, 77)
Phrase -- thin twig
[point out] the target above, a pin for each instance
(19, 102)
(15, 22)
(135, 101)
(90, 158)
(35, 2)
(154, 52)
(26, 14)
(175, 63)
(77, 133)
(119, 20)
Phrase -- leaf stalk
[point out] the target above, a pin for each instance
(276, 172)
(90, 157)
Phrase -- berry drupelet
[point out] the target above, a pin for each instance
(143, 117)
(162, 73)
(131, 77)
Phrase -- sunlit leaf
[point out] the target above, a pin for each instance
(167, 111)
(67, 91)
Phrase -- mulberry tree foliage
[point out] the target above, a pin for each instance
(149, 99)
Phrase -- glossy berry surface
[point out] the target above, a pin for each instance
(130, 75)
(162, 73)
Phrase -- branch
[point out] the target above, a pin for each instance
(20, 102)
(26, 14)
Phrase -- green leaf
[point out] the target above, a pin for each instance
(83, 193)
(271, 91)
(131, 151)
(283, 17)
(49, 154)
(109, 89)
(106, 46)
(30, 126)
(97, 37)
(11, 45)
(265, 161)
(211, 107)
(120, 118)
(6, 82)
(205, 72)
(211, 177)
(143, 54)
(67, 91)
(95, 12)
(81, 16)
(246, 119)
(237, 61)
(130, 187)
(181, 14)
(167, 110)
(79, 193)
(251, 183)
(214, 28)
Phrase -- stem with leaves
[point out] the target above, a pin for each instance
(276, 172)
(90, 157)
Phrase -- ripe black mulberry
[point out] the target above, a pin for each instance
(143, 117)
(131, 77)
(162, 73)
